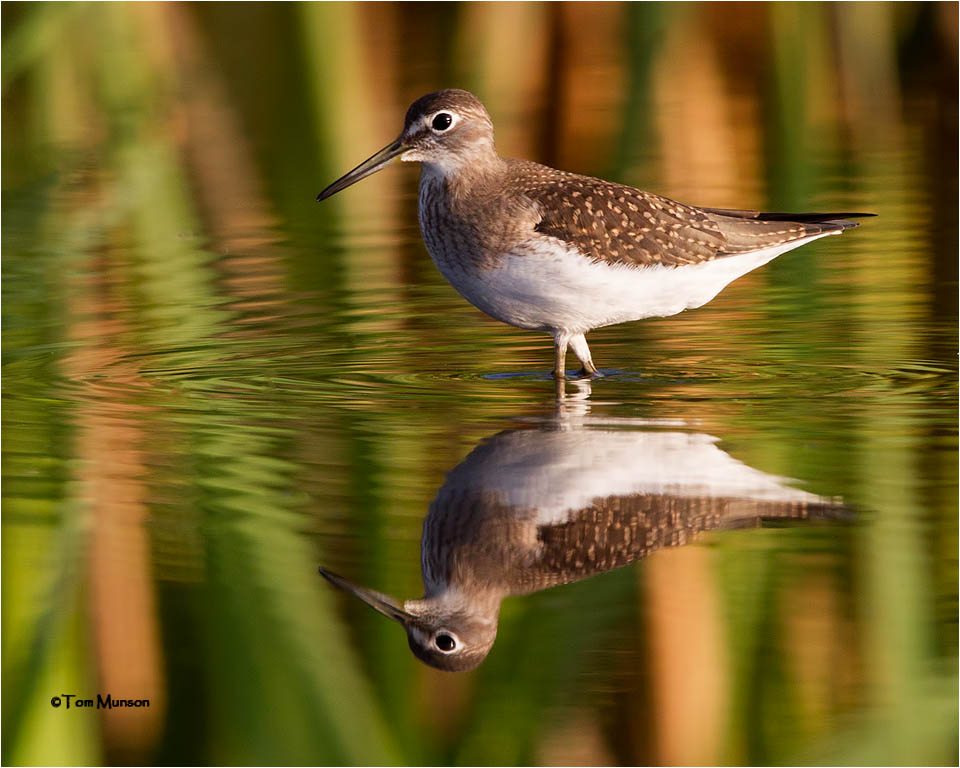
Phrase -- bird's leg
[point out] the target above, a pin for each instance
(579, 346)
(560, 355)
(560, 389)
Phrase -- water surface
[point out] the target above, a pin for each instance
(213, 386)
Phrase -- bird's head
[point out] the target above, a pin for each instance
(443, 631)
(447, 130)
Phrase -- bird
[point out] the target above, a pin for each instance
(557, 252)
(542, 506)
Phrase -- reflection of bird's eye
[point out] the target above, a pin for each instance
(445, 643)
(442, 121)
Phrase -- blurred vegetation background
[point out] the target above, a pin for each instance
(212, 384)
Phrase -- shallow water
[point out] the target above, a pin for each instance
(213, 386)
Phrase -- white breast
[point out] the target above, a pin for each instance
(557, 473)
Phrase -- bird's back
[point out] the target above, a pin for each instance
(614, 223)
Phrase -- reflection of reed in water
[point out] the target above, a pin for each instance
(534, 508)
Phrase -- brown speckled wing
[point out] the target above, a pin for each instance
(618, 224)
(472, 540)
(619, 530)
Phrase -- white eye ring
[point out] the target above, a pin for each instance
(445, 638)
(431, 120)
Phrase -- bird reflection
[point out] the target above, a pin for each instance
(538, 507)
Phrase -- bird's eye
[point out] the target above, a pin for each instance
(445, 643)
(442, 121)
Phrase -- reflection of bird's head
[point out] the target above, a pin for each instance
(442, 631)
(453, 641)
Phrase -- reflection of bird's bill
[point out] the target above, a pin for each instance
(380, 602)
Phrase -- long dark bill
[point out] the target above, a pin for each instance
(367, 167)
(376, 600)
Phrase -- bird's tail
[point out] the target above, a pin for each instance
(840, 220)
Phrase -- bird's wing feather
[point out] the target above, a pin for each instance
(619, 224)
(836, 218)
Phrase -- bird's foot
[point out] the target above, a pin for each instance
(588, 371)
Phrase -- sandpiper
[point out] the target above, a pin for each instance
(531, 509)
(552, 251)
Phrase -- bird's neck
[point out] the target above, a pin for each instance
(463, 175)
(482, 604)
